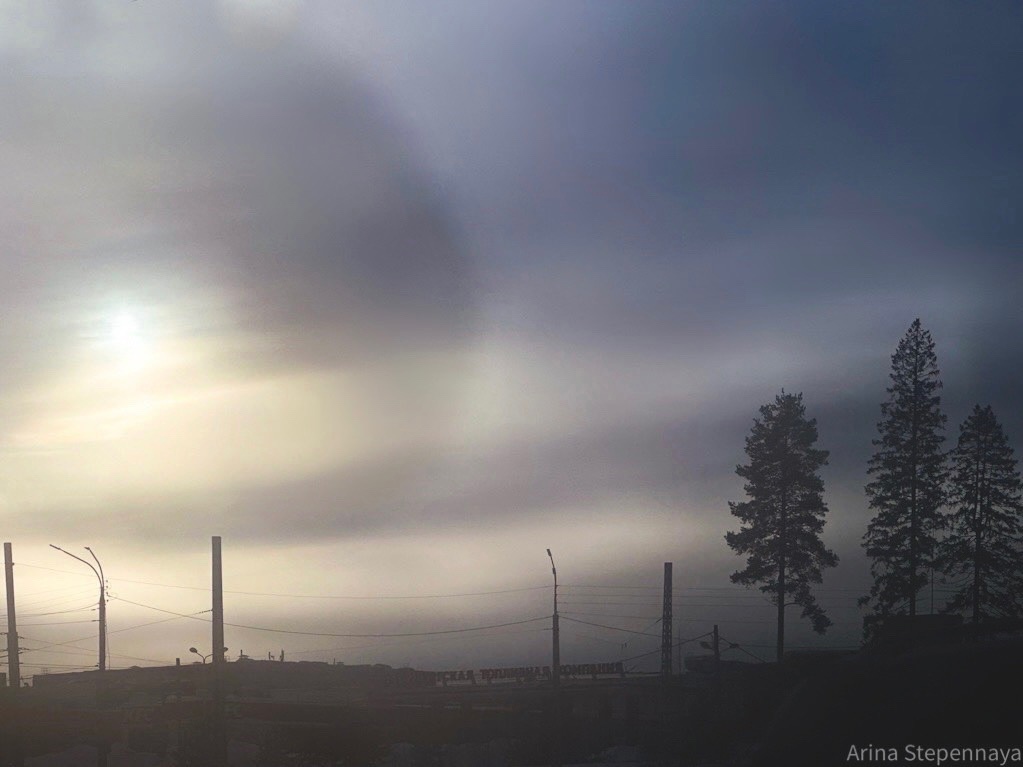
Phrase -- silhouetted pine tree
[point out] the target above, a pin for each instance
(784, 516)
(908, 469)
(986, 525)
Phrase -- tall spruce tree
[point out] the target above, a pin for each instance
(784, 516)
(908, 470)
(983, 545)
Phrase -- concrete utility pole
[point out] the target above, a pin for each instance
(179, 689)
(102, 601)
(102, 613)
(218, 605)
(666, 623)
(556, 649)
(13, 661)
(15, 749)
(556, 720)
(717, 655)
(220, 742)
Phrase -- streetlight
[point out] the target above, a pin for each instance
(556, 651)
(204, 657)
(102, 601)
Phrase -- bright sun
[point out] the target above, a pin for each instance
(125, 336)
(124, 329)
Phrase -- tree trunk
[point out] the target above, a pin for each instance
(976, 544)
(914, 439)
(781, 575)
(976, 580)
(978, 508)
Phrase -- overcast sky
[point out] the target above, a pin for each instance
(393, 296)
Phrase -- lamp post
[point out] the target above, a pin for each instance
(102, 601)
(204, 657)
(556, 650)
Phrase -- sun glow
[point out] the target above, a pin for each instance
(124, 328)
(127, 341)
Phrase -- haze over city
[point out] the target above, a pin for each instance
(394, 298)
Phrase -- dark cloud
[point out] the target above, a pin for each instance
(695, 171)
(270, 181)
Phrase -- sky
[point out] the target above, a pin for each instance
(395, 296)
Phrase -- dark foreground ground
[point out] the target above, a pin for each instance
(959, 695)
(812, 710)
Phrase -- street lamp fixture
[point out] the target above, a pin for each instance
(556, 648)
(102, 600)
(204, 657)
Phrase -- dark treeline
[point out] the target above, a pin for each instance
(957, 512)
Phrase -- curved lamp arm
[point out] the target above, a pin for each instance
(86, 561)
(102, 577)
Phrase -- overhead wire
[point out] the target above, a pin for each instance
(402, 634)
(613, 628)
(737, 646)
(607, 615)
(739, 597)
(414, 641)
(678, 643)
(312, 596)
(90, 608)
(346, 635)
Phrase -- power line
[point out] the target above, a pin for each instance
(193, 616)
(676, 644)
(611, 615)
(374, 598)
(71, 642)
(311, 596)
(613, 628)
(755, 657)
(736, 646)
(655, 622)
(49, 591)
(610, 604)
(56, 665)
(74, 651)
(615, 642)
(56, 602)
(51, 569)
(606, 586)
(742, 591)
(59, 612)
(406, 643)
(345, 635)
(405, 634)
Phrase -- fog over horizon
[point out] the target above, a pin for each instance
(394, 297)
